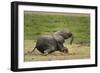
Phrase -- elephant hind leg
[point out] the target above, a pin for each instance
(45, 53)
(48, 51)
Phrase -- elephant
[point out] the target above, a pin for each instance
(47, 44)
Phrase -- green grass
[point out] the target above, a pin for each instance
(39, 23)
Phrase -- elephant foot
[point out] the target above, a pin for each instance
(45, 53)
(65, 51)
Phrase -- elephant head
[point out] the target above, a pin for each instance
(65, 35)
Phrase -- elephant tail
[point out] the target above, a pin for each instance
(33, 49)
(72, 38)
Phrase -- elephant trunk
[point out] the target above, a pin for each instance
(72, 38)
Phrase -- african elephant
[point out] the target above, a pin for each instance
(47, 44)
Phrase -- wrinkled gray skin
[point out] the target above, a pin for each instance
(47, 44)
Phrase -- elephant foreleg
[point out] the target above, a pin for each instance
(61, 48)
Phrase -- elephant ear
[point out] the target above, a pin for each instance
(58, 38)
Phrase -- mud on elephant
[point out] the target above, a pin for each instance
(47, 44)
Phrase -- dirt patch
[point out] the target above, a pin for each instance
(76, 51)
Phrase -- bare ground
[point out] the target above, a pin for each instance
(76, 51)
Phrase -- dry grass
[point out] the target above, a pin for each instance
(76, 51)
